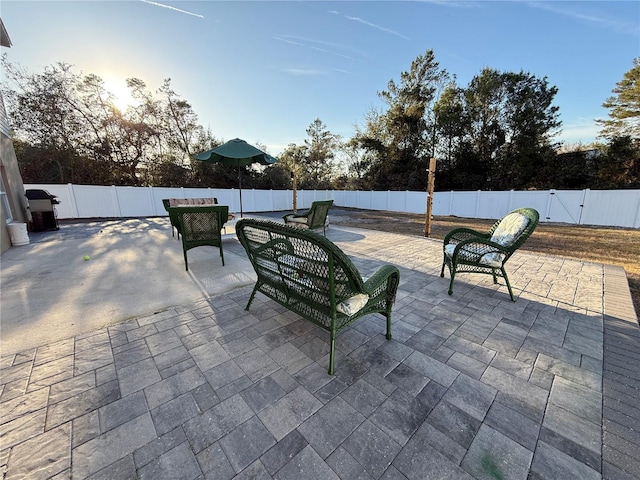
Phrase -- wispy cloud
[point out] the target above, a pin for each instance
(616, 25)
(172, 8)
(453, 4)
(306, 72)
(580, 130)
(313, 72)
(319, 46)
(370, 24)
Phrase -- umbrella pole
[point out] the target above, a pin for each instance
(240, 184)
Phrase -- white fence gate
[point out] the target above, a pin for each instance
(617, 208)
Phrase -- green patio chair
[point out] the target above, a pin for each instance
(311, 276)
(314, 218)
(466, 250)
(169, 202)
(200, 225)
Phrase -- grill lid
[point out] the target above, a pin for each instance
(36, 194)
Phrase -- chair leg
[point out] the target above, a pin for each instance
(221, 254)
(186, 263)
(453, 275)
(506, 280)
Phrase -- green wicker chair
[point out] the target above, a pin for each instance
(199, 226)
(466, 250)
(314, 218)
(311, 276)
(169, 202)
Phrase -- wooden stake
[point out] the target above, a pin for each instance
(430, 185)
(295, 193)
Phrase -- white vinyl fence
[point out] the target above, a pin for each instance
(617, 208)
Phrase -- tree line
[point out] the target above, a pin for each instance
(496, 133)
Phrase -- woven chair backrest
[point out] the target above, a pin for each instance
(318, 213)
(179, 202)
(533, 218)
(202, 223)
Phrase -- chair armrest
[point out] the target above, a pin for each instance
(462, 234)
(475, 249)
(297, 215)
(490, 246)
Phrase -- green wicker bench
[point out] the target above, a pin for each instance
(311, 276)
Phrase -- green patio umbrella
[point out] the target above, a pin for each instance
(239, 153)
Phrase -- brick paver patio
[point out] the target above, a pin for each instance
(471, 386)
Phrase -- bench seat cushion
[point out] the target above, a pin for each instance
(353, 305)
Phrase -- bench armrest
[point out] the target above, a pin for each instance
(386, 275)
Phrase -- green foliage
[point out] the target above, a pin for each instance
(274, 177)
(71, 120)
(509, 119)
(398, 142)
(571, 170)
(451, 122)
(619, 167)
(624, 117)
(320, 151)
(312, 163)
(495, 133)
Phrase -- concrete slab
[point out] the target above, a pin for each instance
(135, 268)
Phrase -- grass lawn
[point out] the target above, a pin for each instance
(615, 246)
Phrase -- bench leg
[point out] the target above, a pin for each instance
(388, 315)
(253, 294)
(332, 350)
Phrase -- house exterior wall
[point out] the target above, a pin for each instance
(12, 182)
(13, 203)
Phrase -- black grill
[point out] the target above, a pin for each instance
(43, 213)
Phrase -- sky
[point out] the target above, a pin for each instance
(263, 71)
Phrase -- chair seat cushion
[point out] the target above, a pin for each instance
(509, 229)
(492, 259)
(297, 220)
(478, 253)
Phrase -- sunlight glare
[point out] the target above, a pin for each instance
(122, 98)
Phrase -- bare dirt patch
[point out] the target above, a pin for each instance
(610, 245)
